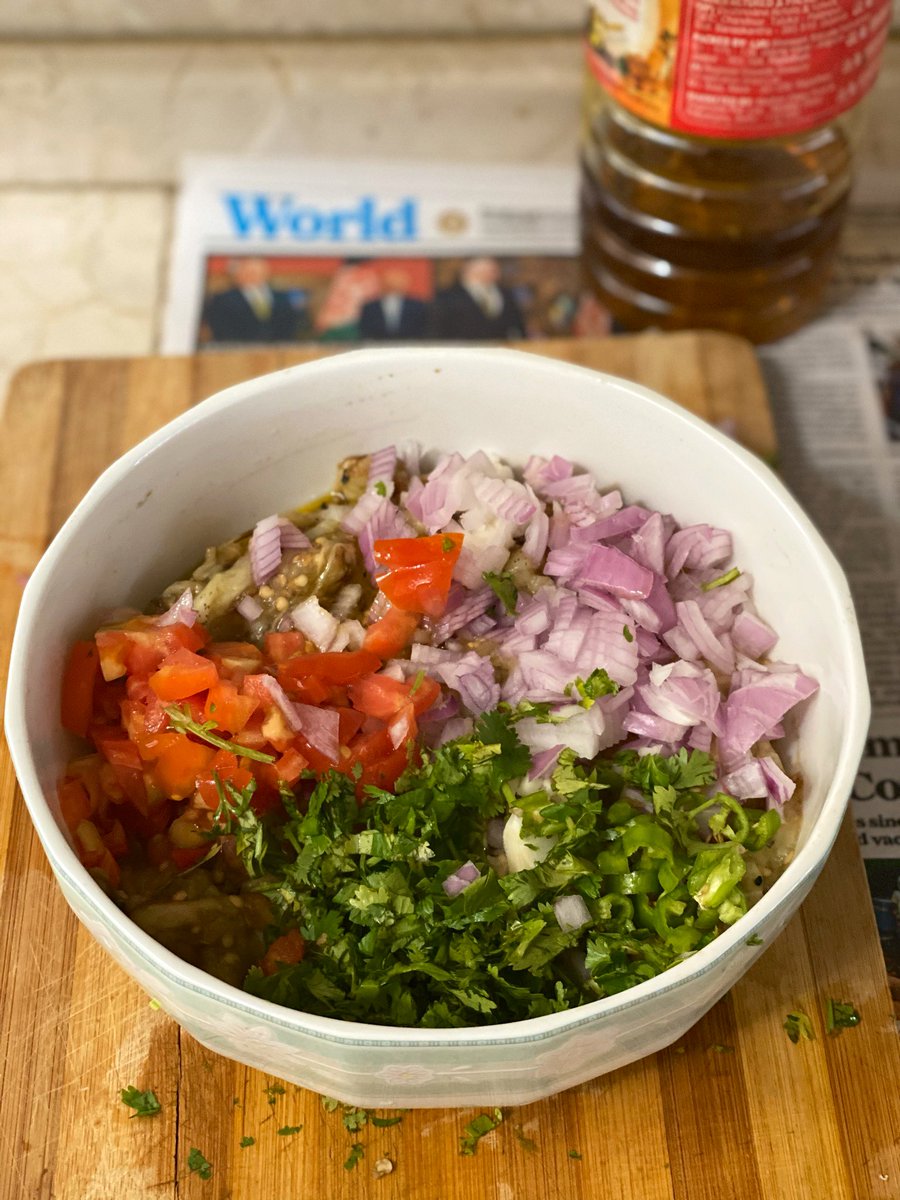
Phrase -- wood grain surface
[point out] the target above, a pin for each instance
(733, 1110)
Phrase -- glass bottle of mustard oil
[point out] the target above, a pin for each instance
(717, 156)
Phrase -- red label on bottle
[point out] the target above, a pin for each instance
(737, 68)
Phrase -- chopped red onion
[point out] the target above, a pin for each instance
(543, 762)
(346, 600)
(506, 498)
(463, 606)
(754, 711)
(625, 521)
(614, 572)
(315, 622)
(779, 787)
(249, 608)
(385, 521)
(534, 546)
(751, 635)
(280, 699)
(382, 465)
(571, 913)
(538, 471)
(265, 549)
(321, 728)
(364, 509)
(697, 546)
(716, 650)
(182, 611)
(468, 872)
(457, 728)
(292, 538)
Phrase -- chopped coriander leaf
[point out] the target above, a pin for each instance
(502, 584)
(362, 880)
(797, 1025)
(840, 1015)
(198, 1164)
(145, 1104)
(330, 1104)
(728, 577)
(381, 489)
(598, 683)
(247, 1141)
(416, 684)
(182, 722)
(754, 940)
(385, 1122)
(447, 545)
(627, 634)
(477, 1128)
(354, 1119)
(288, 1130)
(355, 1157)
(273, 1091)
(574, 1154)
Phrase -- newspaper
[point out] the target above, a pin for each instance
(318, 251)
(835, 391)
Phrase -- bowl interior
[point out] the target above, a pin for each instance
(273, 443)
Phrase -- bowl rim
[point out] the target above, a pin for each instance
(797, 877)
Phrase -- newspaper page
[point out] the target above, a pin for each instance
(835, 390)
(316, 251)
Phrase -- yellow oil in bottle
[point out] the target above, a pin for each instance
(683, 231)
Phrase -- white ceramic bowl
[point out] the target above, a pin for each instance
(272, 442)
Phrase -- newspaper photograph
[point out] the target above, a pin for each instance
(371, 252)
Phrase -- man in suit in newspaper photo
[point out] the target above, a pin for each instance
(396, 315)
(478, 307)
(251, 309)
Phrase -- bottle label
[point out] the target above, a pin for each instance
(737, 68)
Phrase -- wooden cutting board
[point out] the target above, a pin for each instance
(733, 1110)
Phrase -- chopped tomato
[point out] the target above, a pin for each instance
(133, 786)
(227, 707)
(115, 840)
(178, 767)
(93, 851)
(284, 952)
(382, 697)
(79, 677)
(116, 747)
(227, 767)
(187, 858)
(183, 674)
(390, 635)
(291, 766)
(382, 764)
(419, 571)
(148, 727)
(386, 771)
(310, 691)
(378, 695)
(139, 646)
(234, 660)
(74, 803)
(331, 667)
(282, 646)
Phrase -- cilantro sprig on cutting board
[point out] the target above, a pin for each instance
(386, 944)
